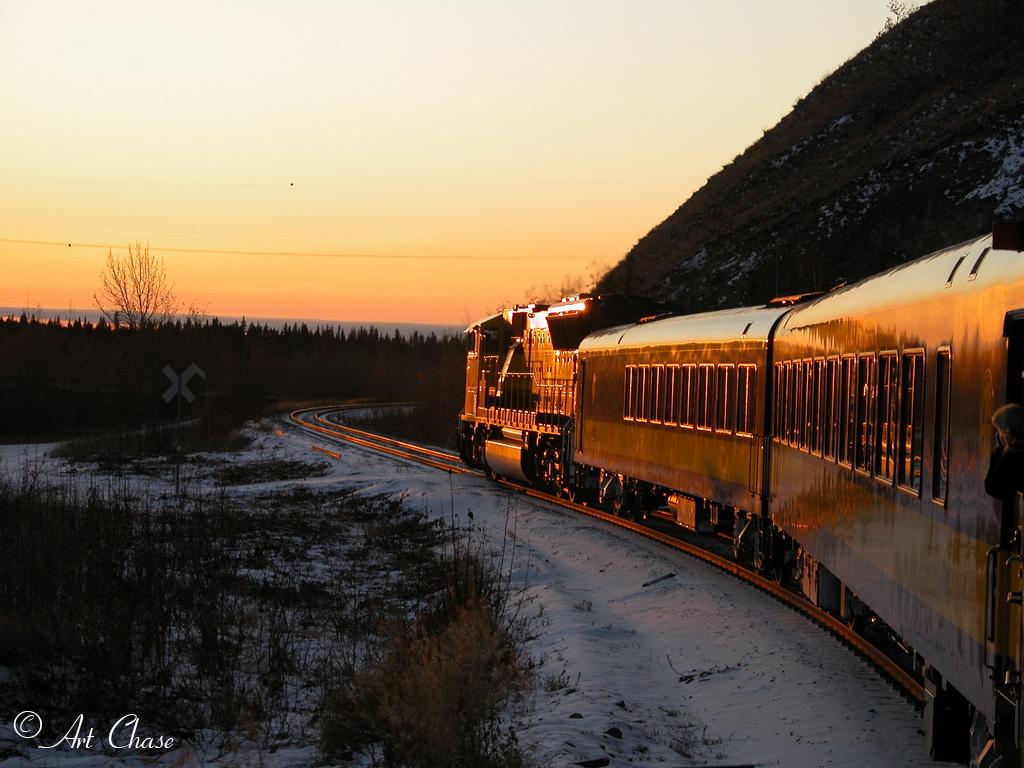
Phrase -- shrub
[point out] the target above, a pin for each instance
(431, 691)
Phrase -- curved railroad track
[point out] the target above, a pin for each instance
(313, 420)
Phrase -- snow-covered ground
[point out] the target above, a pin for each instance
(695, 668)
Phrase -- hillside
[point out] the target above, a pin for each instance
(915, 143)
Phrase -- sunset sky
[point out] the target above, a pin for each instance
(382, 161)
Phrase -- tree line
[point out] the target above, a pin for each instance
(61, 378)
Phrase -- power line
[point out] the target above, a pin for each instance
(303, 254)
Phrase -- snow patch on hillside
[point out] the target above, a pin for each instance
(1007, 184)
(799, 147)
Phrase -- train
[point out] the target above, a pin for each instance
(838, 441)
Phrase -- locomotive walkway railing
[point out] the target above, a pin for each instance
(524, 400)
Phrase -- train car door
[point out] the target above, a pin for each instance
(1013, 330)
(1011, 535)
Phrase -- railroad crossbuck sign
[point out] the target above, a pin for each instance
(179, 384)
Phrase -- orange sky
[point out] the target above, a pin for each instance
(484, 147)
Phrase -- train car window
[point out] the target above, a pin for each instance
(952, 272)
(641, 385)
(671, 395)
(912, 421)
(648, 391)
(643, 402)
(810, 398)
(779, 391)
(700, 399)
(683, 395)
(791, 408)
(799, 396)
(807, 385)
(699, 396)
(790, 402)
(662, 406)
(787, 401)
(829, 409)
(940, 456)
(642, 397)
(847, 412)
(800, 437)
(686, 399)
(888, 401)
(792, 417)
(652, 394)
(667, 393)
(705, 396)
(725, 411)
(810, 404)
(627, 393)
(977, 264)
(635, 392)
(746, 399)
(865, 412)
(631, 380)
(820, 395)
(712, 396)
(784, 403)
(742, 376)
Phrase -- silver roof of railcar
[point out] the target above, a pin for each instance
(920, 280)
(722, 326)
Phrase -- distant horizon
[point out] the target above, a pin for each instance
(93, 314)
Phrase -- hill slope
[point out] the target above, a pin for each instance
(915, 143)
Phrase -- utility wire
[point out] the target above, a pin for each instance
(305, 254)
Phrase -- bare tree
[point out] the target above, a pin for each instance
(569, 285)
(135, 290)
(899, 11)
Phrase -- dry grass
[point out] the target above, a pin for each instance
(432, 688)
(115, 448)
(297, 617)
(432, 698)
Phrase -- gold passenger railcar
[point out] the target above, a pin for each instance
(884, 392)
(676, 408)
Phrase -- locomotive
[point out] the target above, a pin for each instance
(839, 441)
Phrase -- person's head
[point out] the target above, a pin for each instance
(1009, 423)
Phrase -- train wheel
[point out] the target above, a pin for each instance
(618, 506)
(626, 504)
(610, 492)
(479, 448)
(632, 509)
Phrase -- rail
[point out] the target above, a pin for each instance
(397, 448)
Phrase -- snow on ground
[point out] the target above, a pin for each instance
(696, 668)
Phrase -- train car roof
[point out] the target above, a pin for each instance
(742, 324)
(967, 266)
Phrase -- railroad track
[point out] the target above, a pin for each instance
(313, 419)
